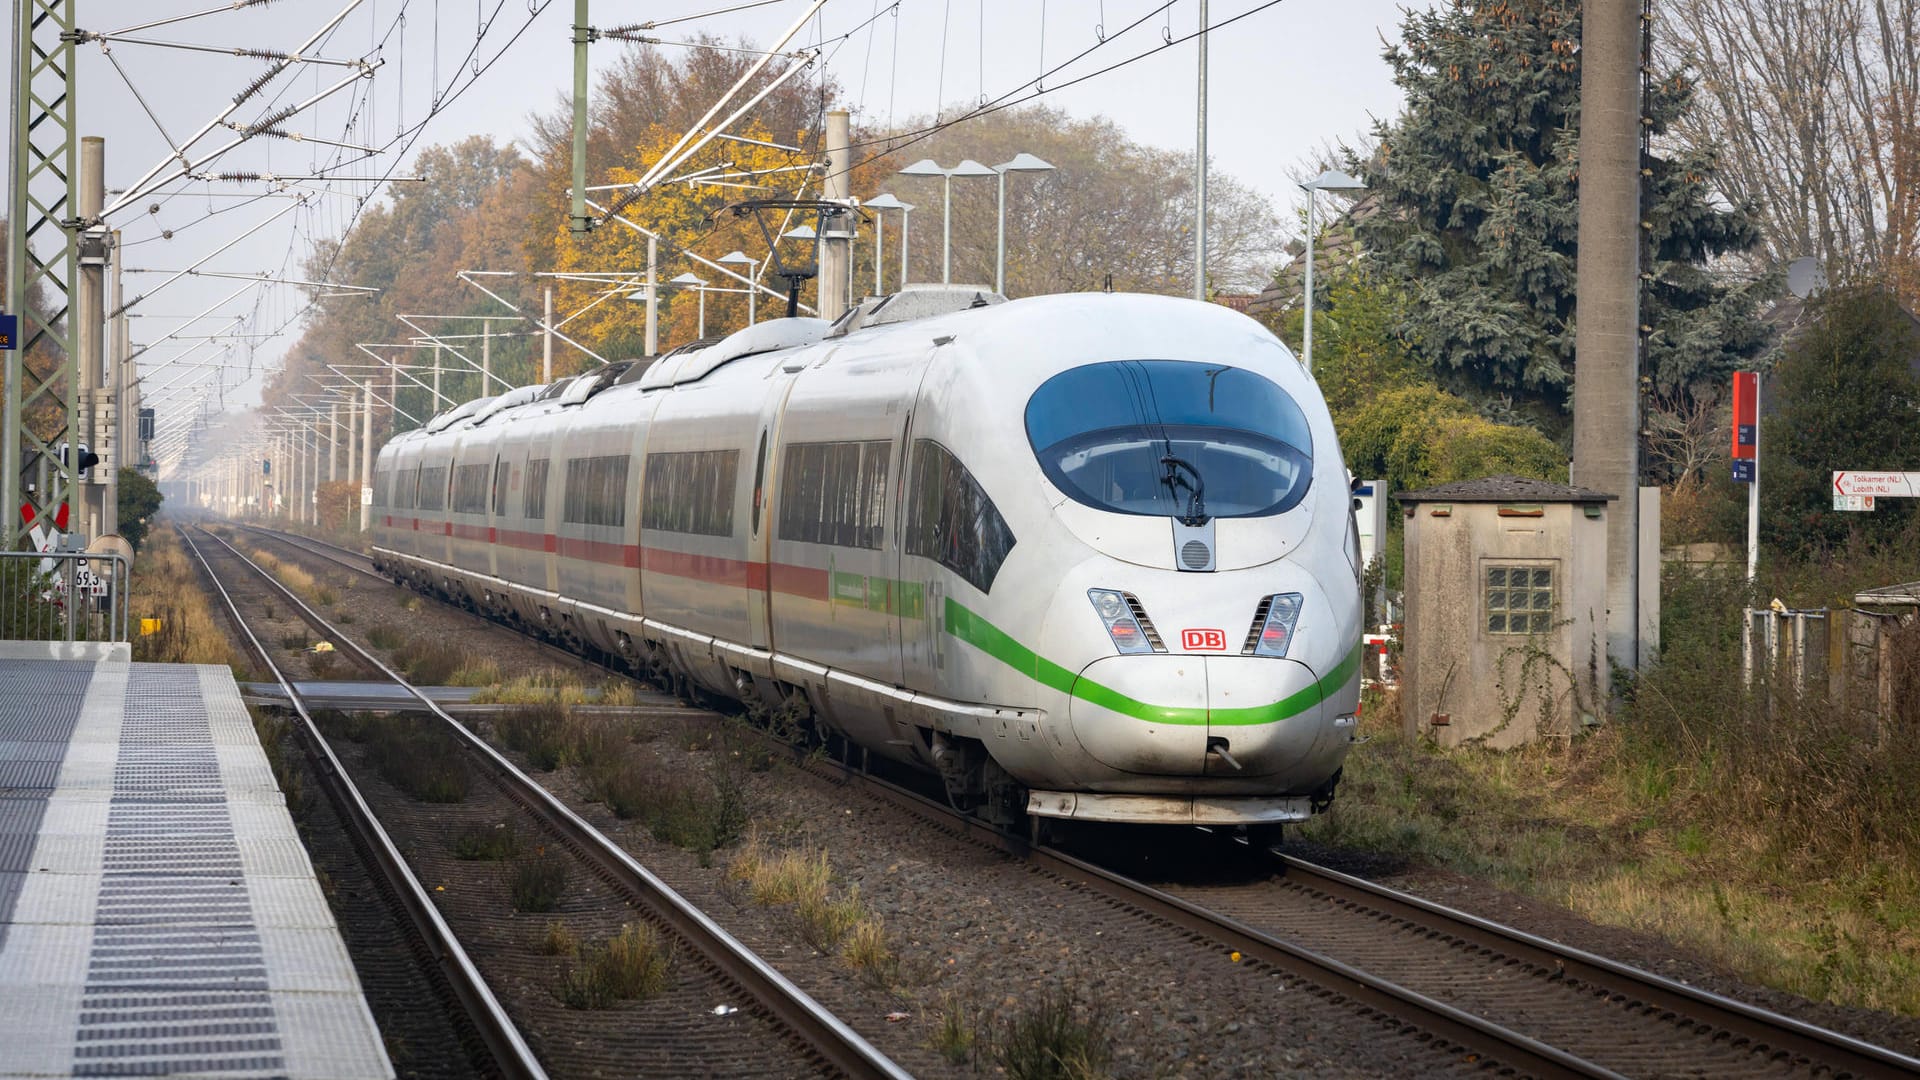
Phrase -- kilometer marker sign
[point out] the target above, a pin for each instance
(1856, 490)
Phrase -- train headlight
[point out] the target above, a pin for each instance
(1117, 616)
(1274, 623)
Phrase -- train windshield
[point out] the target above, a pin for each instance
(1172, 438)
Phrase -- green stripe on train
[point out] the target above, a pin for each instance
(997, 643)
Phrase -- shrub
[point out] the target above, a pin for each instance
(539, 731)
(633, 965)
(486, 842)
(1052, 1039)
(559, 940)
(417, 758)
(537, 883)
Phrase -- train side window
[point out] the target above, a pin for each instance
(691, 491)
(404, 493)
(536, 494)
(501, 472)
(433, 488)
(835, 493)
(596, 491)
(470, 489)
(950, 519)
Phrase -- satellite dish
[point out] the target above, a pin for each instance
(1805, 277)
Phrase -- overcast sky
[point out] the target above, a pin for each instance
(1284, 79)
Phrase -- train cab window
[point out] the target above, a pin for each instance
(470, 489)
(501, 473)
(691, 491)
(1141, 436)
(597, 491)
(835, 493)
(536, 496)
(433, 488)
(950, 519)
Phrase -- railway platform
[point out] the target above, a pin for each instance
(158, 914)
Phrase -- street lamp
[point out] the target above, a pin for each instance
(690, 280)
(1331, 180)
(1022, 162)
(741, 258)
(927, 167)
(886, 201)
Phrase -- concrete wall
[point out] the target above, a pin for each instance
(1502, 690)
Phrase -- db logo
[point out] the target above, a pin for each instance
(1203, 640)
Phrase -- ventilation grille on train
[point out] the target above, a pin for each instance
(1146, 624)
(1195, 556)
(1259, 624)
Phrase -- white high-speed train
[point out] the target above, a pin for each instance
(1087, 556)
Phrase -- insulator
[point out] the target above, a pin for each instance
(263, 54)
(273, 120)
(237, 176)
(254, 87)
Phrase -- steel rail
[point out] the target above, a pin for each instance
(1458, 1027)
(831, 1038)
(1765, 1029)
(511, 1054)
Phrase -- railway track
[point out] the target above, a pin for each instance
(818, 1041)
(1528, 1004)
(511, 1055)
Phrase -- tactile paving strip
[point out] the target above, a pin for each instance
(176, 978)
(39, 705)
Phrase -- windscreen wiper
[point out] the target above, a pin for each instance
(1196, 514)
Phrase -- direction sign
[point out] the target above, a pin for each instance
(1900, 484)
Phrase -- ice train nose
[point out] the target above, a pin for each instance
(1172, 715)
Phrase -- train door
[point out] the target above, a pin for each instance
(921, 606)
(760, 513)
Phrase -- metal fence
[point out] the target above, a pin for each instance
(1859, 661)
(63, 596)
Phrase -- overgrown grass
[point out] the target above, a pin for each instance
(702, 809)
(385, 637)
(1784, 847)
(166, 587)
(487, 842)
(632, 965)
(1055, 1038)
(416, 757)
(831, 922)
(314, 591)
(553, 685)
(537, 882)
(541, 732)
(429, 662)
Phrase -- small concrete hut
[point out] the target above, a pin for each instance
(1504, 639)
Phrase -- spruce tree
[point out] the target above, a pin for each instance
(1477, 183)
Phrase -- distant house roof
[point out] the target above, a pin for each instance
(1505, 489)
(1236, 301)
(1334, 249)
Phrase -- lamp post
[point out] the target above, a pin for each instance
(927, 167)
(1331, 180)
(885, 201)
(1022, 162)
(741, 258)
(690, 280)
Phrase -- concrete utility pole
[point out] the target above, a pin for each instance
(546, 339)
(836, 242)
(1606, 398)
(89, 312)
(1200, 171)
(366, 450)
(333, 441)
(125, 422)
(653, 298)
